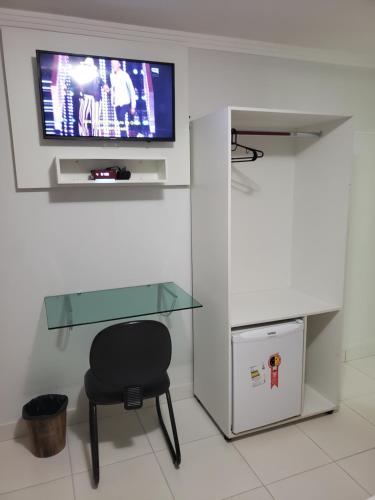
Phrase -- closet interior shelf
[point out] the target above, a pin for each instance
(276, 133)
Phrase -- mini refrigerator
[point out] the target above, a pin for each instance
(267, 364)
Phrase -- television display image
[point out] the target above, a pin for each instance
(84, 96)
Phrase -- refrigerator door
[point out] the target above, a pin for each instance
(267, 374)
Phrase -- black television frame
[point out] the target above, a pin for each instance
(96, 138)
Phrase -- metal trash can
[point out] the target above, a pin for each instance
(46, 421)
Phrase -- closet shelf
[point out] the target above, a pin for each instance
(262, 306)
(279, 133)
(278, 234)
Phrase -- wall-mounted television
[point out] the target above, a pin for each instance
(94, 97)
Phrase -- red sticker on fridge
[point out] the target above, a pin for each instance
(274, 362)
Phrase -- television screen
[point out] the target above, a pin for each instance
(84, 96)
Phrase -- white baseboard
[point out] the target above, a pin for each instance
(12, 430)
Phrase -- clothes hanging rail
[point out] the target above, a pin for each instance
(252, 154)
(276, 133)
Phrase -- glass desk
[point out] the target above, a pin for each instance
(75, 309)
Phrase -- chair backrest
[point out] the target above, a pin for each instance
(135, 353)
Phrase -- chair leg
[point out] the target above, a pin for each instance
(94, 442)
(174, 451)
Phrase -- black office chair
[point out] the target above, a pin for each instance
(128, 363)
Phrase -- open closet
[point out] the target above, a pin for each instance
(270, 196)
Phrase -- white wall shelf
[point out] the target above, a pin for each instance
(268, 244)
(76, 172)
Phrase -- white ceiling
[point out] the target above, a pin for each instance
(346, 25)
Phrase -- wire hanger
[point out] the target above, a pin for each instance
(252, 154)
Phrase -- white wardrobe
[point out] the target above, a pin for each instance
(268, 244)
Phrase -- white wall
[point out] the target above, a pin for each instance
(218, 79)
(359, 329)
(50, 242)
(72, 239)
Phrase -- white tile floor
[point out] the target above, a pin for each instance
(326, 458)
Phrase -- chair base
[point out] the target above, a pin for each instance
(94, 442)
(174, 451)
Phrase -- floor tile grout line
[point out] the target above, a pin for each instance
(100, 417)
(316, 444)
(358, 369)
(114, 463)
(357, 412)
(355, 454)
(191, 441)
(119, 462)
(247, 463)
(354, 367)
(85, 420)
(155, 455)
(249, 491)
(71, 466)
(274, 498)
(104, 417)
(246, 491)
(331, 459)
(334, 460)
(351, 477)
(217, 433)
(149, 452)
(164, 476)
(116, 414)
(16, 438)
(119, 414)
(34, 485)
(145, 430)
(135, 412)
(203, 438)
(370, 377)
(151, 448)
(265, 485)
(359, 396)
(363, 395)
(359, 358)
(299, 473)
(242, 493)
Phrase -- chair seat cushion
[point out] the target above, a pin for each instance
(100, 393)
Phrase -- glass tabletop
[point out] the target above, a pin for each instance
(75, 309)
